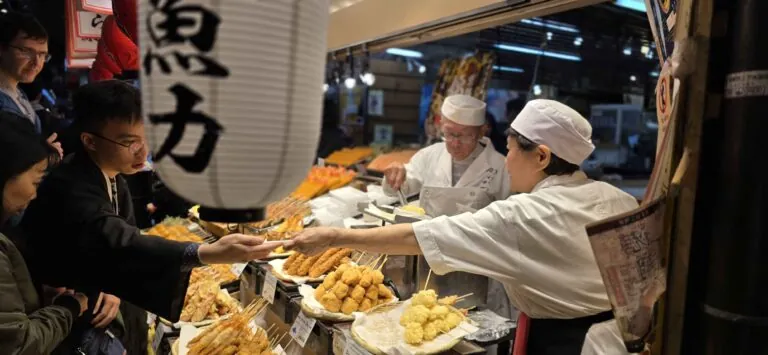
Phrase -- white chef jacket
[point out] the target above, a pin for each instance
(604, 339)
(534, 243)
(432, 166)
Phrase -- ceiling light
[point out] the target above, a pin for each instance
(627, 51)
(536, 51)
(537, 90)
(551, 25)
(325, 87)
(4, 11)
(350, 83)
(422, 69)
(644, 49)
(368, 78)
(549, 36)
(508, 69)
(404, 52)
(654, 74)
(637, 5)
(632, 78)
(578, 41)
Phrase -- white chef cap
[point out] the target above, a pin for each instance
(464, 110)
(567, 134)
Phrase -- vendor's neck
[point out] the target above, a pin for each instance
(103, 165)
(468, 159)
(7, 82)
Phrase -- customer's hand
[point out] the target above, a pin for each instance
(56, 145)
(395, 174)
(81, 298)
(236, 248)
(107, 307)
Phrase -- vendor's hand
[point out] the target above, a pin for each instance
(105, 311)
(56, 145)
(236, 248)
(313, 241)
(395, 175)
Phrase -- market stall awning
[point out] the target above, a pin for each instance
(389, 23)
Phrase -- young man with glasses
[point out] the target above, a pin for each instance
(23, 53)
(81, 228)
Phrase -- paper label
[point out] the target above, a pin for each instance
(151, 318)
(238, 269)
(159, 333)
(302, 328)
(278, 350)
(747, 84)
(270, 285)
(353, 348)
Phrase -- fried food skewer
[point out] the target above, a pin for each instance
(360, 258)
(386, 257)
(426, 284)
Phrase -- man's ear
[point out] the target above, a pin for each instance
(88, 141)
(544, 155)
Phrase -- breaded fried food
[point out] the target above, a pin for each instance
(330, 280)
(438, 312)
(330, 263)
(367, 280)
(453, 319)
(426, 298)
(291, 259)
(448, 300)
(415, 314)
(377, 277)
(320, 291)
(306, 265)
(349, 306)
(330, 302)
(384, 292)
(372, 292)
(414, 334)
(430, 331)
(294, 269)
(441, 326)
(357, 294)
(351, 276)
(366, 304)
(342, 268)
(340, 290)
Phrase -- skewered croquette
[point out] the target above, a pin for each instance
(438, 312)
(340, 290)
(384, 292)
(330, 280)
(366, 280)
(453, 320)
(357, 294)
(342, 268)
(430, 331)
(377, 277)
(331, 302)
(366, 304)
(441, 326)
(414, 333)
(427, 298)
(319, 292)
(448, 300)
(351, 276)
(372, 292)
(415, 314)
(349, 306)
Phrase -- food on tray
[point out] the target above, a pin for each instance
(382, 161)
(175, 232)
(349, 156)
(233, 336)
(219, 273)
(301, 265)
(426, 317)
(321, 180)
(353, 288)
(284, 209)
(206, 301)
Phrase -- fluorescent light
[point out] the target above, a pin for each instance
(404, 52)
(508, 69)
(551, 24)
(536, 51)
(637, 5)
(654, 74)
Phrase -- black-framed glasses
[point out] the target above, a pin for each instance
(30, 53)
(134, 147)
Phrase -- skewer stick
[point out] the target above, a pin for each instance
(372, 264)
(360, 258)
(382, 263)
(426, 284)
(270, 329)
(463, 297)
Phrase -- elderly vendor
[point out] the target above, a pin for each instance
(534, 242)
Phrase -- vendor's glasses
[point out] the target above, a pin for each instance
(464, 139)
(30, 53)
(133, 147)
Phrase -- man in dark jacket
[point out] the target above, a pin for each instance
(81, 228)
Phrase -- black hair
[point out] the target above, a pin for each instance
(97, 103)
(557, 166)
(331, 114)
(21, 148)
(13, 23)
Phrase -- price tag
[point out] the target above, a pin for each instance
(353, 348)
(270, 285)
(278, 350)
(302, 328)
(238, 269)
(159, 333)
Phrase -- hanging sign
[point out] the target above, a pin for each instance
(103, 7)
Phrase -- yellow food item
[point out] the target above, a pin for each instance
(427, 298)
(330, 280)
(342, 268)
(452, 320)
(383, 161)
(351, 276)
(319, 292)
(384, 292)
(340, 290)
(366, 280)
(372, 292)
(448, 300)
(415, 314)
(331, 302)
(438, 312)
(414, 333)
(176, 232)
(377, 277)
(232, 336)
(349, 156)
(441, 326)
(358, 293)
(314, 266)
(366, 304)
(430, 331)
(204, 300)
(414, 209)
(349, 306)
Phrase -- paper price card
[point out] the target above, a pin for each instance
(161, 330)
(353, 348)
(302, 328)
(238, 269)
(270, 285)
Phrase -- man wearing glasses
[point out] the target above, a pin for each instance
(23, 53)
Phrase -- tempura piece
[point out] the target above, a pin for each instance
(366, 304)
(453, 320)
(349, 306)
(291, 259)
(441, 326)
(366, 280)
(430, 331)
(320, 292)
(377, 277)
(372, 292)
(358, 293)
(415, 314)
(343, 268)
(414, 333)
(351, 276)
(340, 290)
(448, 300)
(294, 269)
(385, 292)
(330, 263)
(306, 265)
(330, 280)
(438, 312)
(427, 298)
(330, 302)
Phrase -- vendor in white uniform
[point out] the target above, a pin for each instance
(534, 242)
(446, 172)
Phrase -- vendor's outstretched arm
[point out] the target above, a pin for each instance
(395, 240)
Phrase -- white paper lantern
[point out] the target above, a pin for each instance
(246, 77)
